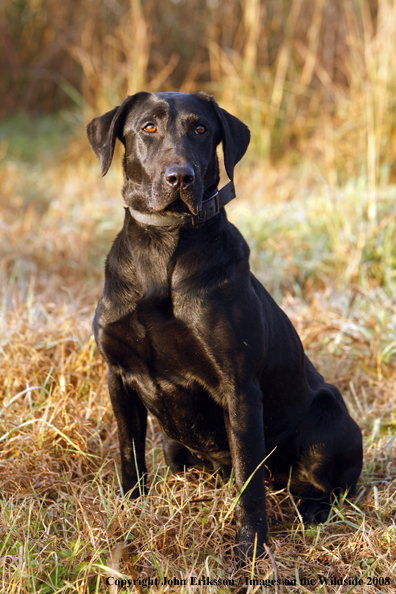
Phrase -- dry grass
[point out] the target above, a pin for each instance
(64, 525)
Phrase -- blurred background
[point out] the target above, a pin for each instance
(312, 77)
(315, 80)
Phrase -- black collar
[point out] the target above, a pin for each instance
(210, 208)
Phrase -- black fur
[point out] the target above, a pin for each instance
(190, 335)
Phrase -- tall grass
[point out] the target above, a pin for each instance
(315, 80)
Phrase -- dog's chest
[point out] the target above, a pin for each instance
(153, 346)
(176, 377)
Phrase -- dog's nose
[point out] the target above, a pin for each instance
(180, 176)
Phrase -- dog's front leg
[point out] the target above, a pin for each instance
(245, 430)
(131, 416)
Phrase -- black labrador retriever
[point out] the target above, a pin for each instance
(190, 335)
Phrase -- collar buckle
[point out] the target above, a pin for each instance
(210, 208)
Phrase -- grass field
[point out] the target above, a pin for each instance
(64, 525)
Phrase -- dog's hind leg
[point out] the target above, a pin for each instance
(330, 455)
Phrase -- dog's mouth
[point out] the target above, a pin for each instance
(157, 199)
(178, 200)
(184, 205)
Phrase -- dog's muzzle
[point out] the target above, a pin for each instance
(210, 208)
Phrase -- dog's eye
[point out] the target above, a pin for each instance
(150, 128)
(200, 129)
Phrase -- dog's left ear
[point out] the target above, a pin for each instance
(103, 131)
(235, 136)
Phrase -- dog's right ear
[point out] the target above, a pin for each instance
(103, 131)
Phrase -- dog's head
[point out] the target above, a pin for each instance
(170, 142)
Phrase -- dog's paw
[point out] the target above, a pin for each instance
(135, 490)
(314, 511)
(249, 546)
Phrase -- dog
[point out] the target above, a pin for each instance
(191, 336)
